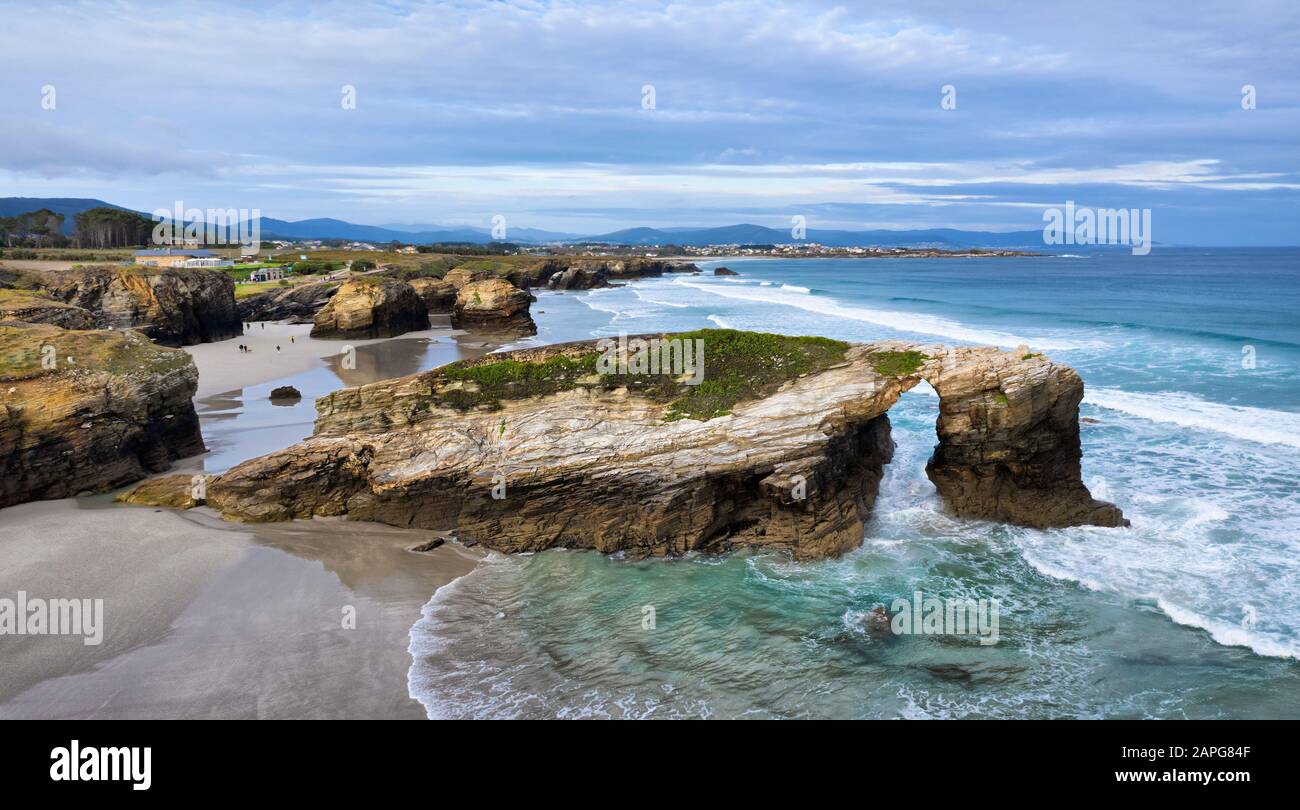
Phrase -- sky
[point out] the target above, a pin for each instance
(589, 117)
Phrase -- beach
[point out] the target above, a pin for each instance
(209, 619)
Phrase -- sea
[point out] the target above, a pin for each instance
(1191, 361)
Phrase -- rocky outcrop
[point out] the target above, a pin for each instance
(173, 307)
(89, 410)
(33, 306)
(371, 307)
(587, 274)
(1009, 440)
(545, 448)
(439, 295)
(493, 305)
(286, 392)
(464, 274)
(724, 271)
(297, 304)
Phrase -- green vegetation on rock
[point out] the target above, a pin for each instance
(898, 364)
(738, 366)
(31, 351)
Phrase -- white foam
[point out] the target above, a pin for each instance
(1186, 410)
(1227, 634)
(901, 321)
(793, 288)
(721, 324)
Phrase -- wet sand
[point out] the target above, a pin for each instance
(208, 619)
(222, 367)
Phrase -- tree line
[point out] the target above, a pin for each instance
(33, 229)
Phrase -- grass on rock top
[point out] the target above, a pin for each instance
(24, 352)
(898, 364)
(738, 366)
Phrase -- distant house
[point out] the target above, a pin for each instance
(267, 274)
(179, 257)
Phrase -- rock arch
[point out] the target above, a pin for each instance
(596, 465)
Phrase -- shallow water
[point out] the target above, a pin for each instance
(1193, 612)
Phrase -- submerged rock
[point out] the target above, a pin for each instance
(172, 306)
(89, 410)
(547, 447)
(371, 307)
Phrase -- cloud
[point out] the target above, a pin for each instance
(466, 107)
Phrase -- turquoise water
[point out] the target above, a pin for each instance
(1193, 612)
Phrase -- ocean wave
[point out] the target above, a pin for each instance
(1261, 425)
(900, 321)
(718, 322)
(794, 288)
(674, 304)
(425, 639)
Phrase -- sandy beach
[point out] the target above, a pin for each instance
(209, 619)
(279, 350)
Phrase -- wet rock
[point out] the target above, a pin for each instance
(286, 392)
(724, 271)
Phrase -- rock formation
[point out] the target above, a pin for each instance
(493, 305)
(587, 274)
(782, 446)
(286, 392)
(173, 307)
(34, 306)
(298, 304)
(439, 295)
(1009, 440)
(724, 271)
(371, 307)
(89, 410)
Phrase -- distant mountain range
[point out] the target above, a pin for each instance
(326, 228)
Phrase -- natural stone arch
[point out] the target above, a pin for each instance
(597, 465)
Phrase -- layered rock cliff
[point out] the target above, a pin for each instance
(439, 295)
(89, 410)
(780, 445)
(297, 304)
(34, 306)
(173, 307)
(493, 305)
(371, 307)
